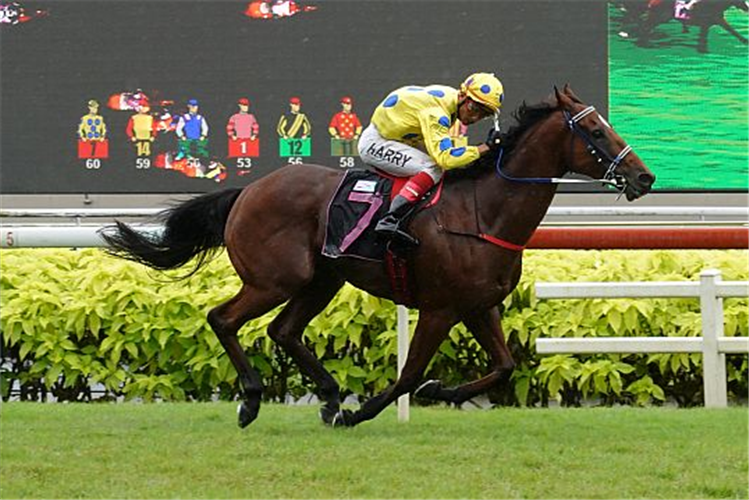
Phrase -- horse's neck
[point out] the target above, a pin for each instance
(511, 210)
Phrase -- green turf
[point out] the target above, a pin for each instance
(196, 451)
(686, 114)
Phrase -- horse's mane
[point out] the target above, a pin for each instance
(526, 117)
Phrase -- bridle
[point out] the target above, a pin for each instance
(609, 178)
(600, 153)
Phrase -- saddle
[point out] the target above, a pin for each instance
(361, 199)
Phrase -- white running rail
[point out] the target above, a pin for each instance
(713, 344)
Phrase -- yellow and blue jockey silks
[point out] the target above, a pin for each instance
(422, 117)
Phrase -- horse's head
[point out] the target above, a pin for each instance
(597, 151)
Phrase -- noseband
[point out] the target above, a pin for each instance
(599, 153)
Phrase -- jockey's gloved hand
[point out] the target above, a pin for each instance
(493, 138)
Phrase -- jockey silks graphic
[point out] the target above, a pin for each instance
(243, 130)
(192, 157)
(92, 135)
(278, 9)
(13, 13)
(294, 129)
(145, 123)
(128, 101)
(192, 132)
(141, 130)
(345, 129)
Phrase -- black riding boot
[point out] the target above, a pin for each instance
(388, 226)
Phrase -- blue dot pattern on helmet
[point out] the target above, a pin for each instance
(446, 143)
(486, 88)
(90, 121)
(436, 93)
(444, 121)
(390, 101)
(501, 97)
(457, 151)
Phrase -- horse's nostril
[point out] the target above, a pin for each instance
(646, 178)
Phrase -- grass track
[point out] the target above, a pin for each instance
(196, 451)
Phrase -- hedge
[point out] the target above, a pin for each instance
(74, 320)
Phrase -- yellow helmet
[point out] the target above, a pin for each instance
(484, 88)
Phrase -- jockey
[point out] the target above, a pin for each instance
(409, 136)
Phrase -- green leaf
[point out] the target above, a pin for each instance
(94, 323)
(25, 349)
(615, 320)
(132, 349)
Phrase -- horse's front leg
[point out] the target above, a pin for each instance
(702, 40)
(724, 24)
(487, 329)
(431, 330)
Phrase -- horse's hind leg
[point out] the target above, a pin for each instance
(226, 320)
(487, 330)
(287, 329)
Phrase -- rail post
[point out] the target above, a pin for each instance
(713, 360)
(403, 401)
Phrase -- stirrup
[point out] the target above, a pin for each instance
(387, 227)
(395, 233)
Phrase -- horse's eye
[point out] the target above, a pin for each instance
(598, 134)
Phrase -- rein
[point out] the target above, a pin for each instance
(480, 234)
(610, 178)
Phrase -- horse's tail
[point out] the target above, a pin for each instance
(194, 228)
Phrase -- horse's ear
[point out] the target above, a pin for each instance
(568, 91)
(562, 100)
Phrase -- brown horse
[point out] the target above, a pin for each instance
(274, 229)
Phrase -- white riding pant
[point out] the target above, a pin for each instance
(395, 158)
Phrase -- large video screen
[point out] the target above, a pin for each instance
(679, 87)
(155, 96)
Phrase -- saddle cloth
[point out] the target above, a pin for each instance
(361, 199)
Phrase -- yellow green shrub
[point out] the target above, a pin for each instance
(73, 319)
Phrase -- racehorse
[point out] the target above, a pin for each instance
(708, 14)
(468, 261)
(704, 15)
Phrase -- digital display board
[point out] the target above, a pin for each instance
(679, 87)
(152, 96)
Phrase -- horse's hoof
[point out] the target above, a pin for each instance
(328, 414)
(246, 415)
(344, 418)
(429, 389)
